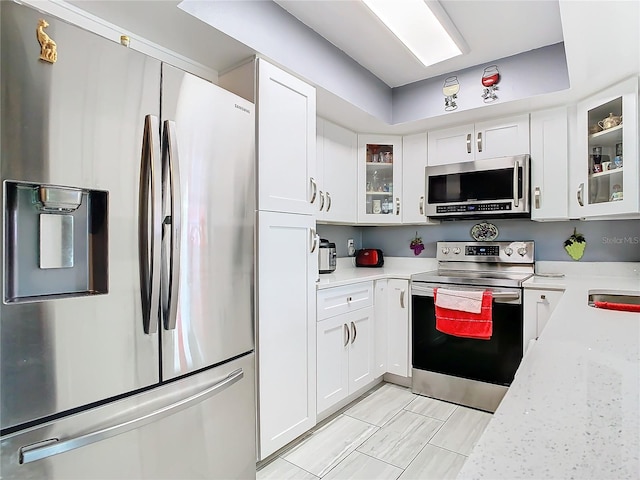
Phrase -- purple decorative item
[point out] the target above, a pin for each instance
(416, 245)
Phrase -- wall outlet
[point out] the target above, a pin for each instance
(351, 249)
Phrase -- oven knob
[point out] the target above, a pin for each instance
(508, 251)
(522, 251)
(445, 250)
(456, 250)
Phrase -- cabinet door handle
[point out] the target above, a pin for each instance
(354, 332)
(314, 237)
(536, 197)
(328, 201)
(516, 198)
(422, 205)
(321, 200)
(469, 143)
(479, 141)
(402, 298)
(314, 189)
(580, 194)
(346, 334)
(397, 205)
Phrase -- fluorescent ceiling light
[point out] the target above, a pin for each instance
(418, 28)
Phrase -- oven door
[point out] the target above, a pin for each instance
(494, 361)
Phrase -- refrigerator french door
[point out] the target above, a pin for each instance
(127, 256)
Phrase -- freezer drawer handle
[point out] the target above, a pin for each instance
(171, 251)
(150, 229)
(48, 448)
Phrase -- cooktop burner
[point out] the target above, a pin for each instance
(504, 264)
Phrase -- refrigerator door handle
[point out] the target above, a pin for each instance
(54, 446)
(149, 224)
(171, 272)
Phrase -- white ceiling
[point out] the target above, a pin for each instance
(492, 29)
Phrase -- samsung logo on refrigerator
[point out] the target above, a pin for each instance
(239, 107)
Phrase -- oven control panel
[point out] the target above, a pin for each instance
(495, 252)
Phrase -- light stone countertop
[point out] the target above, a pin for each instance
(394, 267)
(573, 410)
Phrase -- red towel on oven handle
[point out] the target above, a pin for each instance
(466, 324)
(624, 307)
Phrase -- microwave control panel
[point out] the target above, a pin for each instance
(474, 207)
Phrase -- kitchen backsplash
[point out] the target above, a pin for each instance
(607, 241)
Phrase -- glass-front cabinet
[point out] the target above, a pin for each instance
(379, 179)
(607, 180)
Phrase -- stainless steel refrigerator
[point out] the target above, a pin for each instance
(128, 202)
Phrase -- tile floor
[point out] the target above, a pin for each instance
(389, 433)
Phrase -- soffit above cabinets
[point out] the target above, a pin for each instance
(491, 29)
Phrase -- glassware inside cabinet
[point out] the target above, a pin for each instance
(379, 179)
(605, 155)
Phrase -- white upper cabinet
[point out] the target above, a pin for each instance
(414, 161)
(379, 179)
(491, 139)
(605, 165)
(286, 142)
(337, 173)
(549, 165)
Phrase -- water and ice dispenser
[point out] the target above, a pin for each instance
(55, 243)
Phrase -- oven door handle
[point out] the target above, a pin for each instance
(498, 296)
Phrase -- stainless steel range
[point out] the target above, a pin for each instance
(470, 371)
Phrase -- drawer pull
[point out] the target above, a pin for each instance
(543, 297)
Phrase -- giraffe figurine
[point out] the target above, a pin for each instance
(48, 47)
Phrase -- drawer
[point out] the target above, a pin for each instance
(338, 300)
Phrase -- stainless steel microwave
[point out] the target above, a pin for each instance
(497, 187)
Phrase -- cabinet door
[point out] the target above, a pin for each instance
(538, 306)
(606, 160)
(414, 161)
(286, 142)
(381, 312)
(502, 138)
(379, 179)
(451, 145)
(549, 165)
(333, 339)
(398, 328)
(361, 348)
(338, 169)
(286, 328)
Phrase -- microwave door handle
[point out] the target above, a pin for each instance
(516, 167)
(150, 229)
(171, 278)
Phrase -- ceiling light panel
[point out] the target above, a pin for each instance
(416, 26)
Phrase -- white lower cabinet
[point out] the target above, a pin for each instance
(398, 327)
(345, 350)
(392, 327)
(538, 307)
(286, 328)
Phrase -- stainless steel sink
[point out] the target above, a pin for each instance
(626, 298)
